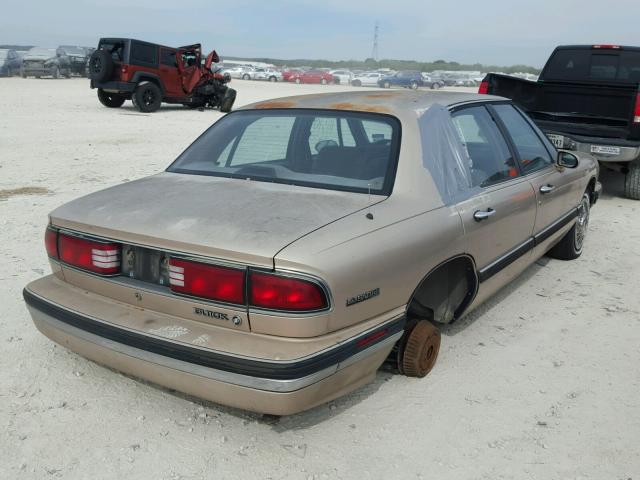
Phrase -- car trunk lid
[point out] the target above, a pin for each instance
(235, 220)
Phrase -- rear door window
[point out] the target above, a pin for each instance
(168, 57)
(144, 54)
(489, 154)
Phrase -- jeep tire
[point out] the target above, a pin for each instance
(632, 181)
(100, 66)
(226, 104)
(147, 97)
(111, 100)
(56, 72)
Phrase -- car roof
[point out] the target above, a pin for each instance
(394, 102)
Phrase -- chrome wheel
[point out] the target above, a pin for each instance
(582, 224)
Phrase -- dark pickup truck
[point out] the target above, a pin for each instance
(587, 98)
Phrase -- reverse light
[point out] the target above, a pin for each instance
(91, 255)
(636, 110)
(483, 88)
(208, 281)
(275, 292)
(51, 242)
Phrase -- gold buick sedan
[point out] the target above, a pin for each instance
(299, 243)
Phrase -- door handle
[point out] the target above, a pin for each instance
(544, 189)
(480, 215)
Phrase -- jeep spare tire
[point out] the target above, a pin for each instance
(100, 66)
(147, 97)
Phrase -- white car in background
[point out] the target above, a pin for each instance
(236, 72)
(366, 79)
(269, 74)
(344, 77)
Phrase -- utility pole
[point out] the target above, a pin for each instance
(374, 50)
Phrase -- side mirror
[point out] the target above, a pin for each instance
(566, 159)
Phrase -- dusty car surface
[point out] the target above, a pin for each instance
(299, 243)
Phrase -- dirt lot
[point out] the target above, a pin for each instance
(543, 382)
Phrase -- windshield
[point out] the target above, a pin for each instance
(329, 149)
(42, 51)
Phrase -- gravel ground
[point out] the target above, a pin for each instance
(543, 382)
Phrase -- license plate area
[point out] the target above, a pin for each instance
(145, 264)
(605, 149)
(557, 140)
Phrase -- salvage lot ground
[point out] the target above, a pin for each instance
(542, 382)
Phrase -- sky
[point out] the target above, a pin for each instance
(495, 32)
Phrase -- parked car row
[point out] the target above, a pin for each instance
(384, 78)
(64, 61)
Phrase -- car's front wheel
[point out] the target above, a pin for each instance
(111, 100)
(147, 97)
(246, 77)
(386, 85)
(273, 79)
(56, 72)
(323, 81)
(571, 245)
(356, 83)
(413, 85)
(420, 351)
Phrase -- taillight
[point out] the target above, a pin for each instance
(276, 292)
(98, 257)
(607, 47)
(207, 281)
(483, 88)
(636, 110)
(51, 242)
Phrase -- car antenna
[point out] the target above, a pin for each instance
(369, 215)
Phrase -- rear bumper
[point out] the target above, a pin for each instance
(623, 150)
(114, 87)
(266, 386)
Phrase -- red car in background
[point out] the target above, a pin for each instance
(287, 74)
(312, 76)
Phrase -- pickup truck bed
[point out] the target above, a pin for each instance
(586, 99)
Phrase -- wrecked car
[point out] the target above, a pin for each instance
(45, 62)
(10, 62)
(78, 58)
(301, 242)
(148, 74)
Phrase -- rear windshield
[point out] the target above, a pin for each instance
(328, 149)
(594, 65)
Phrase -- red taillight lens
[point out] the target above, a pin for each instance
(98, 257)
(51, 242)
(207, 281)
(483, 88)
(284, 293)
(636, 110)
